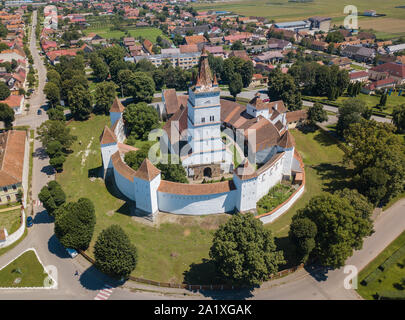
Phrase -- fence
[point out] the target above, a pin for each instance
(195, 287)
(15, 235)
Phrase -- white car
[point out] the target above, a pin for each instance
(72, 252)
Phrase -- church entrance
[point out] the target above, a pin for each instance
(208, 172)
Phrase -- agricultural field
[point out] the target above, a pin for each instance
(281, 10)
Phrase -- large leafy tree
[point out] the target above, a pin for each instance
(244, 252)
(135, 158)
(100, 68)
(104, 95)
(237, 65)
(80, 102)
(4, 91)
(52, 92)
(283, 87)
(6, 115)
(235, 84)
(352, 111)
(302, 233)
(172, 171)
(316, 113)
(141, 87)
(52, 196)
(74, 223)
(398, 117)
(340, 228)
(53, 130)
(114, 253)
(378, 156)
(140, 119)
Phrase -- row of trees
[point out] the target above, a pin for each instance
(74, 228)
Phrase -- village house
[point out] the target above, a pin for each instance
(358, 76)
(14, 161)
(395, 71)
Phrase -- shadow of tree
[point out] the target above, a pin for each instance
(56, 248)
(289, 251)
(335, 176)
(204, 273)
(319, 273)
(94, 279)
(49, 170)
(43, 217)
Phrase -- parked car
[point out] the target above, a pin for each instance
(72, 252)
(266, 100)
(39, 112)
(30, 222)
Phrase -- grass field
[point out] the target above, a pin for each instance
(10, 220)
(391, 279)
(27, 268)
(178, 249)
(281, 10)
(324, 171)
(373, 100)
(165, 252)
(147, 33)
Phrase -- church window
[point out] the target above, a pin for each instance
(212, 118)
(203, 119)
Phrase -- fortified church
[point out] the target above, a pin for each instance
(195, 132)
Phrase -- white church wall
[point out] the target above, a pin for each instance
(269, 178)
(246, 193)
(288, 160)
(197, 205)
(146, 194)
(124, 185)
(120, 130)
(107, 150)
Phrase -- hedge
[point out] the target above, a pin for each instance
(393, 258)
(391, 295)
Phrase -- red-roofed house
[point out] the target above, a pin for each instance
(15, 102)
(388, 70)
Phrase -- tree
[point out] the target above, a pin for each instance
(134, 159)
(383, 99)
(398, 117)
(235, 84)
(100, 68)
(283, 87)
(4, 91)
(243, 251)
(378, 157)
(340, 227)
(52, 130)
(302, 233)
(316, 113)
(74, 224)
(52, 196)
(6, 115)
(141, 87)
(104, 95)
(140, 119)
(352, 111)
(56, 113)
(80, 102)
(3, 31)
(173, 171)
(237, 45)
(53, 76)
(114, 253)
(52, 93)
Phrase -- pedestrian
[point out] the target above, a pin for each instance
(76, 273)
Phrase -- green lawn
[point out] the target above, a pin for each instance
(391, 279)
(324, 171)
(165, 252)
(146, 33)
(27, 268)
(371, 100)
(10, 220)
